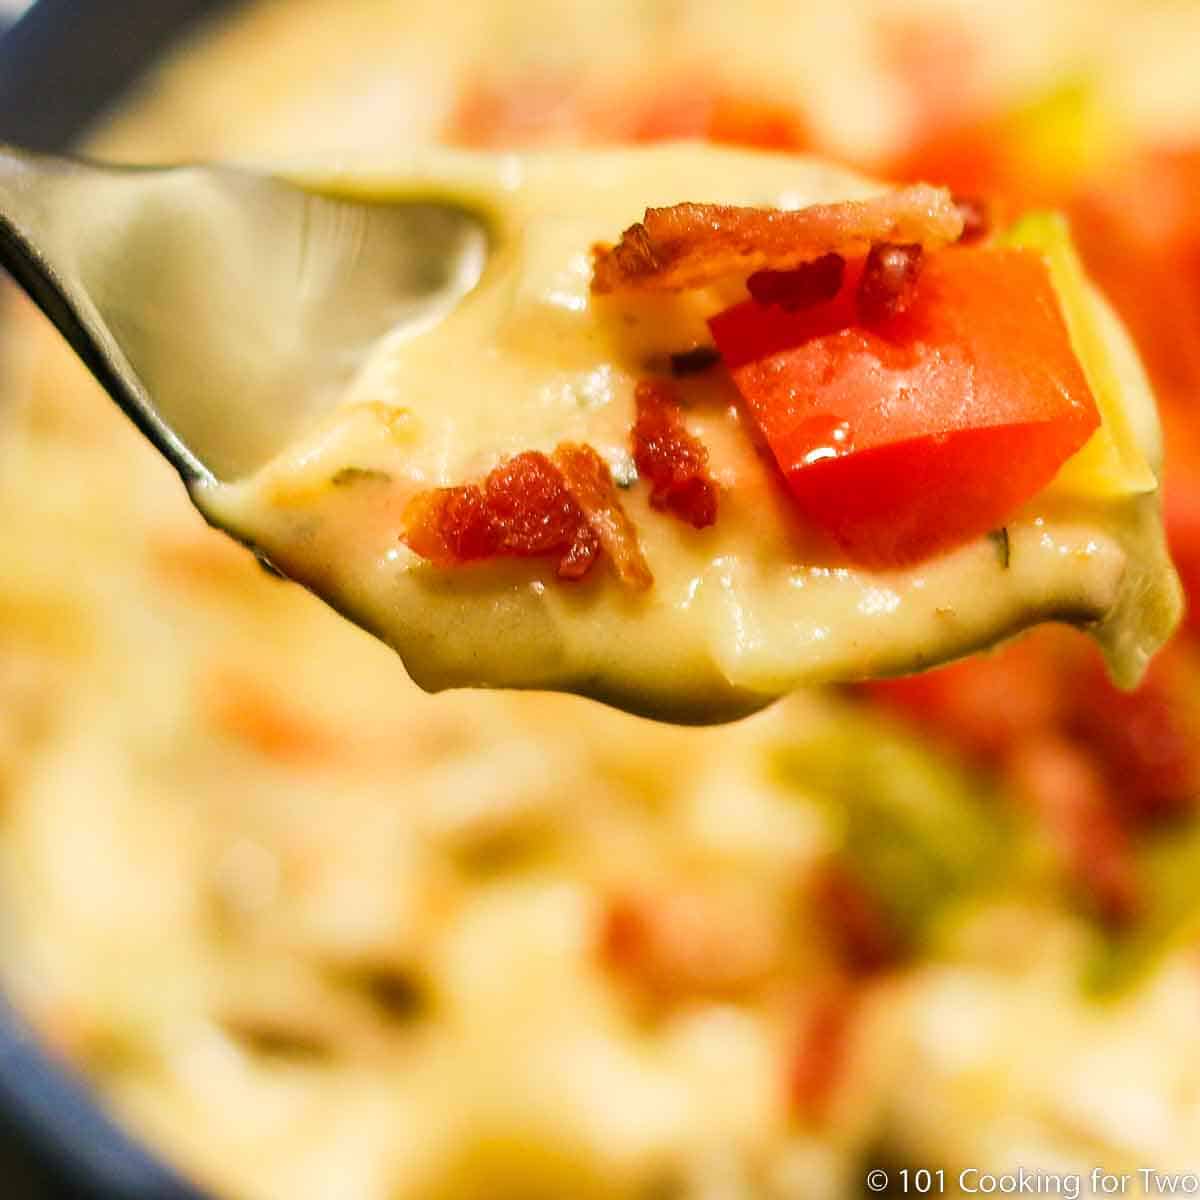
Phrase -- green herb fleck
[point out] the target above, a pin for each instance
(351, 475)
(268, 1039)
(920, 831)
(1166, 867)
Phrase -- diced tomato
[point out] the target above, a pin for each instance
(531, 108)
(970, 158)
(694, 103)
(987, 704)
(546, 106)
(929, 428)
(1065, 791)
(672, 110)
(683, 942)
(1037, 714)
(745, 121)
(1138, 230)
(1097, 766)
(1182, 513)
(1146, 742)
(1030, 156)
(939, 61)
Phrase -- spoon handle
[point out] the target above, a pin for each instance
(46, 203)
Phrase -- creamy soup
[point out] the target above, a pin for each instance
(313, 934)
(730, 615)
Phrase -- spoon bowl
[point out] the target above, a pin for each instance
(225, 310)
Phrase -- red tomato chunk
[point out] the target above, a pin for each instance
(933, 425)
(808, 284)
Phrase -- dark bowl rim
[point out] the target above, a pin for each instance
(53, 86)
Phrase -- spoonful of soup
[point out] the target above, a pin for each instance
(679, 428)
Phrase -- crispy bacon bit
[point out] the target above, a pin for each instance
(523, 509)
(862, 936)
(821, 1057)
(531, 507)
(888, 282)
(690, 245)
(808, 284)
(675, 462)
(590, 483)
(975, 218)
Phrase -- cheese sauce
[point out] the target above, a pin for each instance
(739, 613)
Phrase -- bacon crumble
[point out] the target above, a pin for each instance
(673, 460)
(531, 506)
(690, 245)
(820, 1059)
(590, 483)
(862, 936)
(806, 285)
(693, 362)
(888, 283)
(522, 509)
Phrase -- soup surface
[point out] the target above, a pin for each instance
(314, 934)
(686, 614)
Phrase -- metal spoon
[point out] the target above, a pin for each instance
(224, 310)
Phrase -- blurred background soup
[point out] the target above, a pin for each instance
(311, 933)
